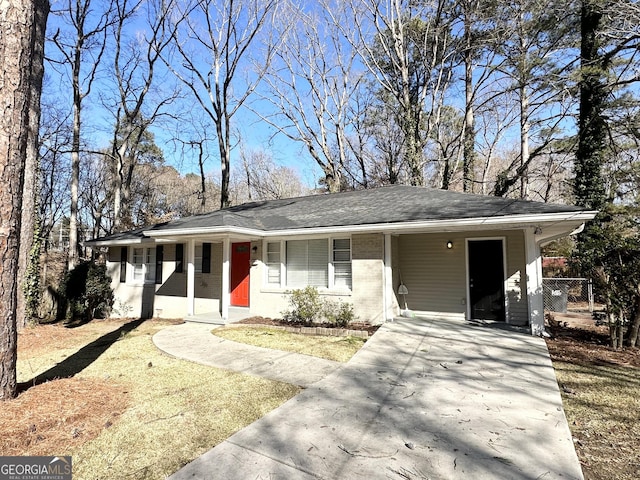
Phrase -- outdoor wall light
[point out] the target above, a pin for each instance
(254, 249)
(449, 244)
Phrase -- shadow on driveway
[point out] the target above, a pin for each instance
(423, 399)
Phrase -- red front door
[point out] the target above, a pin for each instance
(240, 265)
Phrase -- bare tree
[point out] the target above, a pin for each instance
(408, 49)
(311, 85)
(30, 239)
(265, 180)
(532, 47)
(55, 136)
(213, 41)
(22, 25)
(81, 46)
(139, 102)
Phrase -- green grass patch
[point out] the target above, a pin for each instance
(339, 349)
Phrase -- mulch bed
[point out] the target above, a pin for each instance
(257, 320)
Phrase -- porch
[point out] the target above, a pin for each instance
(215, 318)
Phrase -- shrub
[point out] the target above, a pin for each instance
(339, 313)
(306, 306)
(87, 289)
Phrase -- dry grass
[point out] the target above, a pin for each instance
(339, 349)
(130, 412)
(601, 396)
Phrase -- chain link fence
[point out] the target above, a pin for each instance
(567, 295)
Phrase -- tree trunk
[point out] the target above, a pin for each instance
(19, 36)
(634, 329)
(469, 120)
(524, 140)
(592, 131)
(31, 190)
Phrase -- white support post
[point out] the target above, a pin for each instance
(534, 282)
(388, 278)
(191, 276)
(226, 279)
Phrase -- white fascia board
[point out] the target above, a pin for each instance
(199, 232)
(508, 221)
(116, 243)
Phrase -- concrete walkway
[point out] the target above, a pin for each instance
(195, 342)
(423, 399)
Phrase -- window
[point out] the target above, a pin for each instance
(123, 264)
(203, 258)
(179, 257)
(273, 263)
(307, 263)
(138, 264)
(159, 261)
(150, 265)
(317, 263)
(198, 258)
(342, 262)
(144, 264)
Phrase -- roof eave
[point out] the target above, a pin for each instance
(509, 221)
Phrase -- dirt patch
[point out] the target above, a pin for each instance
(581, 340)
(53, 418)
(279, 322)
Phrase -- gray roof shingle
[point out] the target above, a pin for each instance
(384, 205)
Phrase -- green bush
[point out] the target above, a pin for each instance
(339, 313)
(87, 289)
(307, 308)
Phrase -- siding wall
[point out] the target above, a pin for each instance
(436, 277)
(367, 252)
(167, 300)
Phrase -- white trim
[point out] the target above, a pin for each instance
(191, 272)
(388, 278)
(130, 279)
(226, 279)
(283, 286)
(504, 273)
(533, 268)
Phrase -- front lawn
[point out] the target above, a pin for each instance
(339, 349)
(125, 409)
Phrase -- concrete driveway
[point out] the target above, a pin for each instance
(424, 399)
